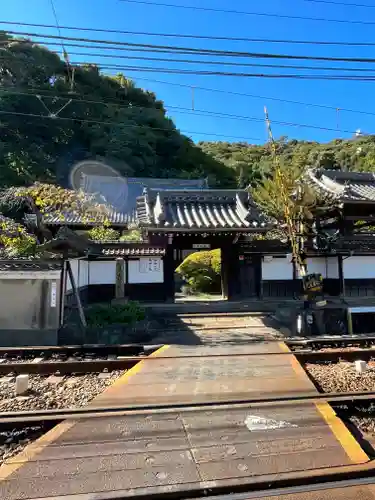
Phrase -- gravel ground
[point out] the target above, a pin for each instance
(54, 358)
(14, 442)
(69, 392)
(342, 377)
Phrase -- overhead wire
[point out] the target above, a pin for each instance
(331, 2)
(208, 62)
(116, 124)
(65, 54)
(200, 112)
(190, 36)
(150, 69)
(256, 96)
(249, 13)
(203, 51)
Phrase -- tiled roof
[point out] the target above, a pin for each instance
(343, 186)
(121, 194)
(136, 252)
(356, 243)
(29, 265)
(209, 209)
(74, 219)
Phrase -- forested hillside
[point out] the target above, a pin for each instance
(49, 110)
(252, 162)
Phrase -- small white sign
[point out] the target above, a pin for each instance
(53, 294)
(149, 266)
(255, 423)
(197, 246)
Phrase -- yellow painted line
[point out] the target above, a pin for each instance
(31, 450)
(342, 434)
(13, 464)
(298, 369)
(134, 370)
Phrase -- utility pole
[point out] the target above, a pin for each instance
(312, 283)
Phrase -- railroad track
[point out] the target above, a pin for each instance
(76, 350)
(44, 366)
(22, 418)
(315, 343)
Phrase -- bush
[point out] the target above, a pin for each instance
(103, 233)
(202, 271)
(105, 315)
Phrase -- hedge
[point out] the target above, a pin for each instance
(202, 271)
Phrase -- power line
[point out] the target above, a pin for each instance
(200, 112)
(247, 13)
(150, 69)
(197, 37)
(255, 96)
(342, 3)
(114, 124)
(204, 51)
(100, 47)
(209, 62)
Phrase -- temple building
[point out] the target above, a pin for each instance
(178, 217)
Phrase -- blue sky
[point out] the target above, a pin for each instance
(116, 14)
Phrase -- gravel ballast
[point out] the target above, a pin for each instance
(341, 377)
(46, 393)
(55, 392)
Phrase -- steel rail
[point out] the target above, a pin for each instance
(26, 417)
(126, 362)
(288, 483)
(83, 348)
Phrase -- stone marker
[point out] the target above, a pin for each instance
(360, 366)
(22, 384)
(37, 360)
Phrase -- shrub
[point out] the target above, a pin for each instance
(103, 233)
(202, 271)
(105, 315)
(14, 239)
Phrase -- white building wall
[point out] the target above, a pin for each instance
(146, 270)
(279, 268)
(83, 270)
(102, 272)
(332, 268)
(359, 267)
(74, 266)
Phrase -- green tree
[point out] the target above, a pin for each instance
(46, 113)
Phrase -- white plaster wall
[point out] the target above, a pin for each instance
(278, 269)
(359, 267)
(146, 270)
(102, 272)
(317, 265)
(332, 268)
(74, 266)
(83, 269)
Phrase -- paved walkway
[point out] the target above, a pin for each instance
(166, 451)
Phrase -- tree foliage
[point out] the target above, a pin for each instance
(202, 271)
(45, 118)
(15, 241)
(252, 163)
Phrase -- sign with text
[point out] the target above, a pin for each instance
(313, 283)
(149, 265)
(200, 246)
